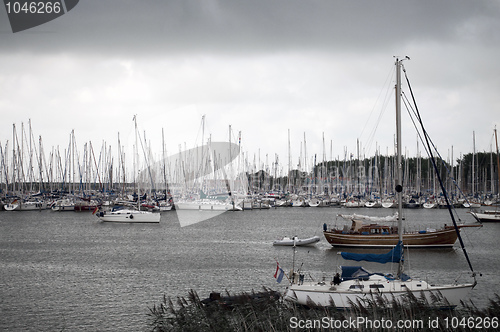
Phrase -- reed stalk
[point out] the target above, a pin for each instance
(266, 311)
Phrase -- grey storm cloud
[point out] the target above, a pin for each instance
(145, 27)
(264, 66)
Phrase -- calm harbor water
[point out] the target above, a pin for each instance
(68, 271)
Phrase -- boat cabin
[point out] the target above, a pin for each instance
(358, 227)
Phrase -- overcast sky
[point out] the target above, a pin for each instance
(265, 67)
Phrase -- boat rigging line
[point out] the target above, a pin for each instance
(385, 102)
(408, 107)
(427, 139)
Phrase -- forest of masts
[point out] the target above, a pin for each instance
(27, 168)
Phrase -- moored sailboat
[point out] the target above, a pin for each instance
(490, 215)
(17, 205)
(129, 216)
(132, 214)
(363, 233)
(64, 204)
(486, 216)
(357, 284)
(206, 205)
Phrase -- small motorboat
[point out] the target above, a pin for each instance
(295, 241)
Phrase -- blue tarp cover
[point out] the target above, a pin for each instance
(394, 256)
(354, 272)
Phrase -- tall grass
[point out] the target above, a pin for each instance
(266, 311)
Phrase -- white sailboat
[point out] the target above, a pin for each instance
(486, 216)
(207, 178)
(356, 283)
(130, 215)
(64, 204)
(490, 215)
(25, 206)
(207, 205)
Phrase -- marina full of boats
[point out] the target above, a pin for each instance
(217, 176)
(160, 202)
(211, 178)
(354, 232)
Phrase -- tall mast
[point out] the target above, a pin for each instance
(228, 179)
(473, 164)
(164, 162)
(136, 166)
(289, 164)
(14, 158)
(498, 162)
(419, 171)
(399, 171)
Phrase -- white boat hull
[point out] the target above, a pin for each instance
(63, 208)
(349, 292)
(429, 205)
(207, 206)
(486, 217)
(26, 206)
(372, 204)
(11, 207)
(389, 205)
(353, 204)
(299, 203)
(166, 208)
(63, 205)
(282, 203)
(471, 205)
(130, 216)
(314, 202)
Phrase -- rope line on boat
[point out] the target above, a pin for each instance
(408, 107)
(450, 174)
(427, 138)
(384, 103)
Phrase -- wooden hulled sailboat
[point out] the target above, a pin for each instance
(357, 284)
(363, 235)
(367, 232)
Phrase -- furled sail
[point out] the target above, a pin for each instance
(394, 256)
(369, 218)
